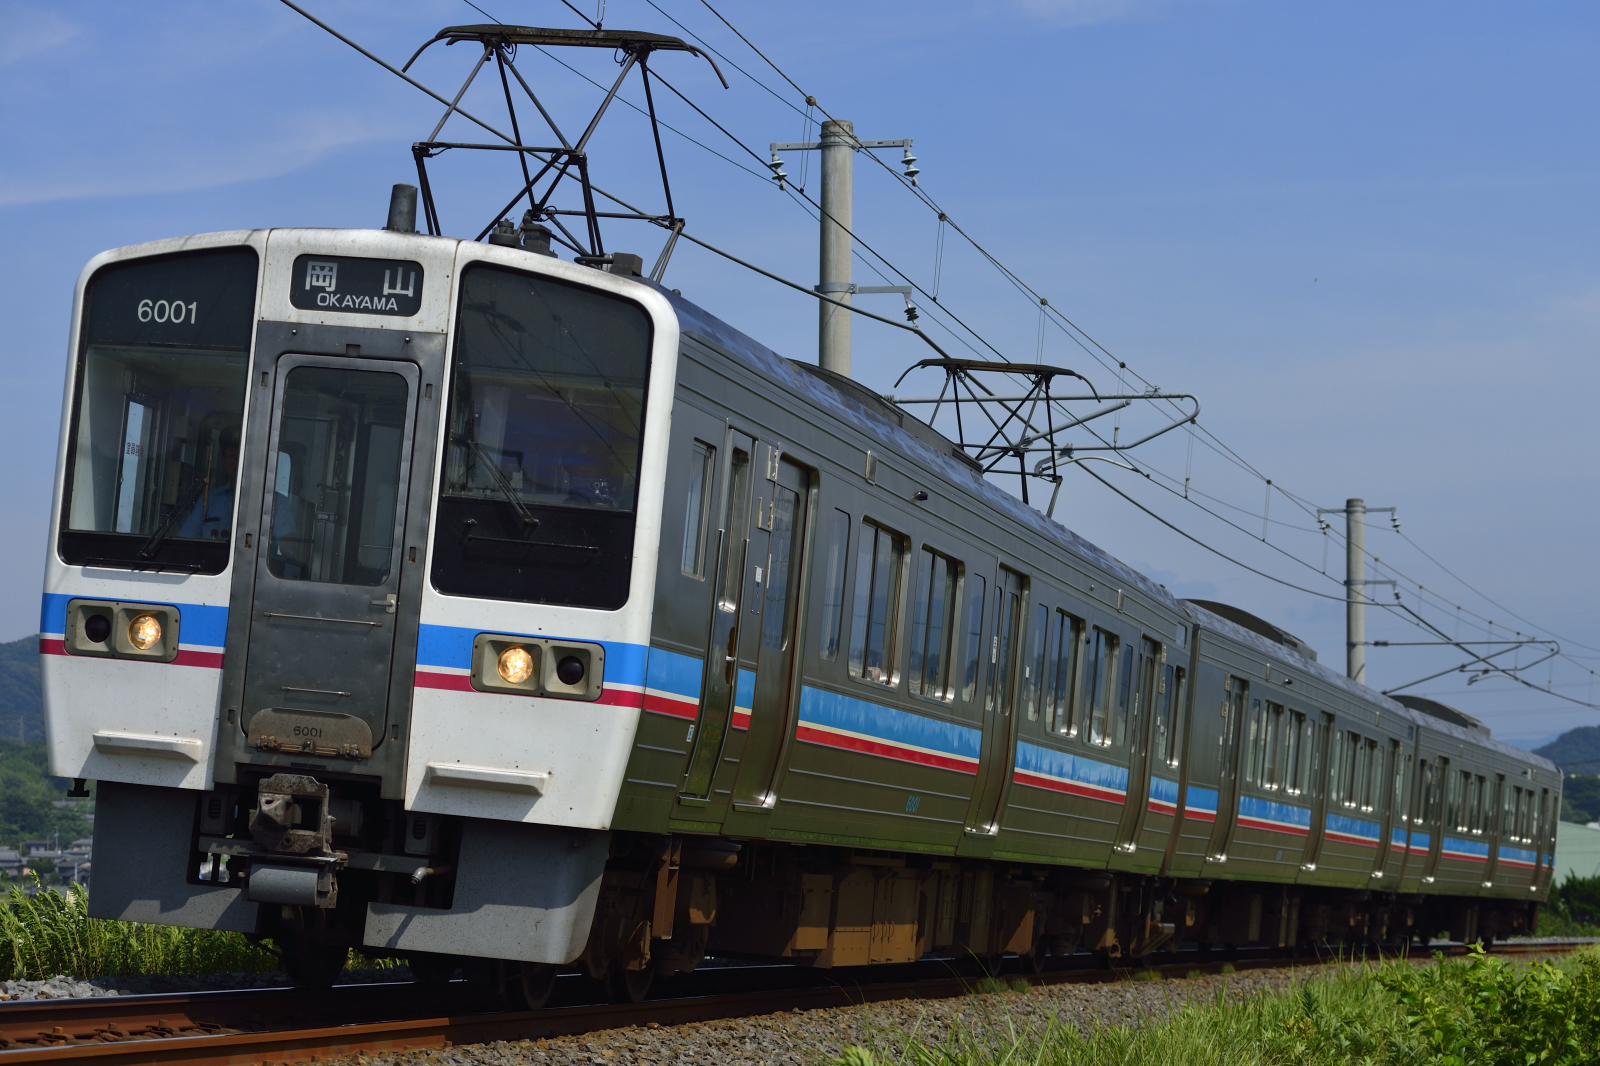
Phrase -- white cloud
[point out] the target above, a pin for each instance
(157, 171)
(26, 32)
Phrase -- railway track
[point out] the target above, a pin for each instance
(292, 1025)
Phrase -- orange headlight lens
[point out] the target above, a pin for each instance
(515, 665)
(144, 631)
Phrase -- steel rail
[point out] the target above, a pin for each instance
(193, 1029)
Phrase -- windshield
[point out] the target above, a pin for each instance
(157, 412)
(542, 457)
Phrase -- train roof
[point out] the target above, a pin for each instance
(870, 414)
(918, 444)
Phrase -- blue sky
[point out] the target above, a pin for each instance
(1365, 236)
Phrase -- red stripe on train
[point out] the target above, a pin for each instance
(211, 660)
(887, 751)
(1071, 788)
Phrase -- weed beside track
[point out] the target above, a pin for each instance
(1478, 1010)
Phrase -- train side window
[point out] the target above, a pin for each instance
(933, 623)
(1010, 595)
(976, 587)
(1033, 666)
(833, 591)
(874, 626)
(1508, 827)
(1064, 673)
(1480, 795)
(697, 510)
(1233, 697)
(1101, 665)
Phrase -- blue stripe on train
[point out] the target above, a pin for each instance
(834, 710)
(675, 673)
(1346, 827)
(1164, 791)
(1063, 766)
(197, 623)
(1283, 816)
(451, 646)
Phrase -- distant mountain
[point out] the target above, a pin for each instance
(21, 701)
(1577, 751)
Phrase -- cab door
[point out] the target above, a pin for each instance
(322, 624)
(999, 723)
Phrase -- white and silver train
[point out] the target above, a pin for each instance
(453, 601)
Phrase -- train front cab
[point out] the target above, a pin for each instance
(348, 597)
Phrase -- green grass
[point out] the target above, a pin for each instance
(1480, 1010)
(51, 933)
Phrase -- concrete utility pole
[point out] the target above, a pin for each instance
(838, 146)
(1355, 583)
(838, 209)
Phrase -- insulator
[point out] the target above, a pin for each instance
(911, 313)
(908, 159)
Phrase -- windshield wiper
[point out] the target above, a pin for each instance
(501, 482)
(184, 505)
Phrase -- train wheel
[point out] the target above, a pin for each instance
(531, 988)
(629, 986)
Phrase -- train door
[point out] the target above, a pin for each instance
(773, 617)
(721, 680)
(1234, 696)
(1438, 806)
(322, 627)
(1146, 682)
(999, 724)
(1390, 788)
(1493, 827)
(1321, 776)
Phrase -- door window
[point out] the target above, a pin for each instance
(976, 587)
(776, 618)
(833, 591)
(1008, 599)
(1294, 753)
(697, 510)
(342, 430)
(1033, 666)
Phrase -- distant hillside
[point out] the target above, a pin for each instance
(21, 704)
(1577, 751)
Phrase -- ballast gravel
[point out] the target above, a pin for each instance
(139, 985)
(808, 1038)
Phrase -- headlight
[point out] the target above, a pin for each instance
(144, 631)
(515, 665)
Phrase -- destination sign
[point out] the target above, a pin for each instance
(355, 285)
